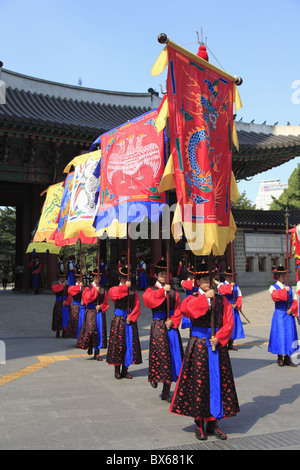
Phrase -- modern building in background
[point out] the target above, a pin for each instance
(267, 189)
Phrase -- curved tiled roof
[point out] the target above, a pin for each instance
(24, 107)
(52, 109)
(250, 219)
(262, 147)
(251, 140)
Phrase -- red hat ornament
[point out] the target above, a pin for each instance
(202, 53)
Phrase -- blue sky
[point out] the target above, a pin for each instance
(113, 45)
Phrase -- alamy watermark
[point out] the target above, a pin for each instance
(296, 93)
(296, 354)
(160, 217)
(2, 352)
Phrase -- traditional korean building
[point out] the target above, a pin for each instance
(260, 245)
(44, 125)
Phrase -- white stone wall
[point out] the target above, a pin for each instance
(255, 277)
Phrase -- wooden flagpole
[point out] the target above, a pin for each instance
(98, 267)
(80, 260)
(128, 263)
(168, 275)
(287, 251)
(212, 317)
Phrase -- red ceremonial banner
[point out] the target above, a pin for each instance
(132, 164)
(201, 118)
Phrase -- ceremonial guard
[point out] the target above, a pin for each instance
(165, 348)
(283, 339)
(233, 293)
(60, 265)
(71, 270)
(142, 279)
(93, 332)
(205, 389)
(124, 346)
(36, 266)
(182, 266)
(61, 309)
(104, 272)
(77, 312)
(191, 288)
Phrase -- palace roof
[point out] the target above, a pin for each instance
(260, 219)
(50, 110)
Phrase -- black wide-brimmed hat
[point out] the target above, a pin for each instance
(279, 270)
(228, 272)
(123, 271)
(202, 271)
(159, 266)
(97, 273)
(191, 270)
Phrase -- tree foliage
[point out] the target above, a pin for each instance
(7, 237)
(243, 203)
(291, 195)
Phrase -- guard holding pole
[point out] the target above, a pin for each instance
(205, 389)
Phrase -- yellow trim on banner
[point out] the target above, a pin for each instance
(115, 230)
(161, 120)
(235, 139)
(167, 181)
(234, 192)
(73, 229)
(161, 62)
(203, 62)
(80, 159)
(203, 238)
(176, 226)
(42, 247)
(236, 98)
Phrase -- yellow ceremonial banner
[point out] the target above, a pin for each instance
(42, 247)
(114, 230)
(81, 159)
(82, 207)
(48, 220)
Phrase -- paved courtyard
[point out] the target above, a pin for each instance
(54, 396)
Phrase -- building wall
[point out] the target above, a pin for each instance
(267, 251)
(267, 189)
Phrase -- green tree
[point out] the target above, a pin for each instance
(291, 195)
(7, 237)
(243, 203)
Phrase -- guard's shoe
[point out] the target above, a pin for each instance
(165, 397)
(215, 431)
(200, 432)
(166, 392)
(97, 357)
(288, 362)
(231, 347)
(280, 360)
(125, 374)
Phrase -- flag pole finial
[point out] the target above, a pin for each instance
(163, 38)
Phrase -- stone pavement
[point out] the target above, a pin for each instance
(54, 396)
